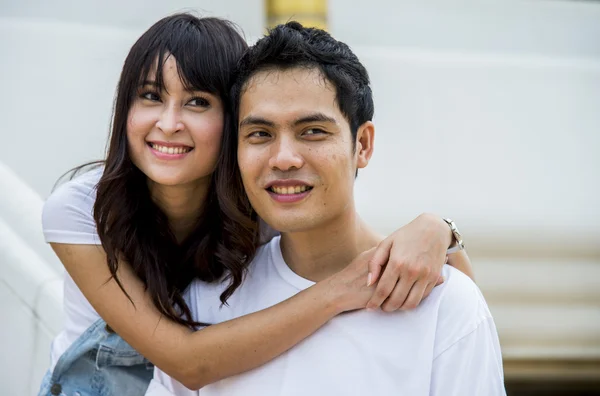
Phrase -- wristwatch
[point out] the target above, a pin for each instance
(458, 239)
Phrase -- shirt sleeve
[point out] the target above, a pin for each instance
(163, 385)
(67, 215)
(471, 366)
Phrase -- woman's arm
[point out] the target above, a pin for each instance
(460, 260)
(408, 263)
(219, 351)
(199, 358)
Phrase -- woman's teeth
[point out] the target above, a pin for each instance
(171, 150)
(289, 190)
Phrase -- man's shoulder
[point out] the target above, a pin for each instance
(462, 308)
(459, 288)
(208, 293)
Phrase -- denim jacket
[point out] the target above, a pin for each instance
(98, 363)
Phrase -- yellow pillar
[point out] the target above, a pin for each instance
(310, 13)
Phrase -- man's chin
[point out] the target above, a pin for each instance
(288, 225)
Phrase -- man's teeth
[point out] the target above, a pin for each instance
(171, 150)
(289, 190)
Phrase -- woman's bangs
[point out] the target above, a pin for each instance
(199, 63)
(206, 52)
(195, 69)
(151, 71)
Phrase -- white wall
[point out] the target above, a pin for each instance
(511, 142)
(560, 28)
(493, 103)
(135, 14)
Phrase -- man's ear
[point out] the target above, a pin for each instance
(365, 138)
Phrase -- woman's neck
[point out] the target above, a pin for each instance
(182, 205)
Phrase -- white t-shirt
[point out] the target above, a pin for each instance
(446, 346)
(67, 217)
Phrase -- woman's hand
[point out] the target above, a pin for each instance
(411, 260)
(349, 286)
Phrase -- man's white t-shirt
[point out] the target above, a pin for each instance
(67, 217)
(446, 346)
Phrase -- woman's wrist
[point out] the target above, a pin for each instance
(441, 228)
(328, 297)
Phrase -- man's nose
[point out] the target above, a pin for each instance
(286, 155)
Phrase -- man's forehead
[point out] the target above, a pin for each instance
(288, 94)
(274, 75)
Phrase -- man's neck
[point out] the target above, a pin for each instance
(319, 253)
(181, 204)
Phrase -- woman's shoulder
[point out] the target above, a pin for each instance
(67, 215)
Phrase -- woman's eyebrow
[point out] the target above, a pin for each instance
(149, 82)
(196, 90)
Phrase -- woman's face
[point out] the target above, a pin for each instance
(174, 135)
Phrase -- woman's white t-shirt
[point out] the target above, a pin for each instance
(67, 217)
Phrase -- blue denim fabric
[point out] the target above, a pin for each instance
(99, 363)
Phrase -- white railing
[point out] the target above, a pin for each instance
(30, 288)
(31, 312)
(21, 208)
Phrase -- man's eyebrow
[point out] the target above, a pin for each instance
(252, 120)
(315, 117)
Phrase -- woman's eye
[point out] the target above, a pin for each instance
(202, 102)
(151, 96)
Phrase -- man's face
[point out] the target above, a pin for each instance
(296, 152)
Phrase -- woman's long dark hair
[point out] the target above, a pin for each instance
(130, 226)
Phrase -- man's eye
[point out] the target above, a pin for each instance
(259, 134)
(314, 132)
(151, 96)
(201, 102)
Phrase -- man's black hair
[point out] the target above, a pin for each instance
(292, 45)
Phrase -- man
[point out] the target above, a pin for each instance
(304, 108)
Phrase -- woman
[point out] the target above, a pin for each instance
(158, 224)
